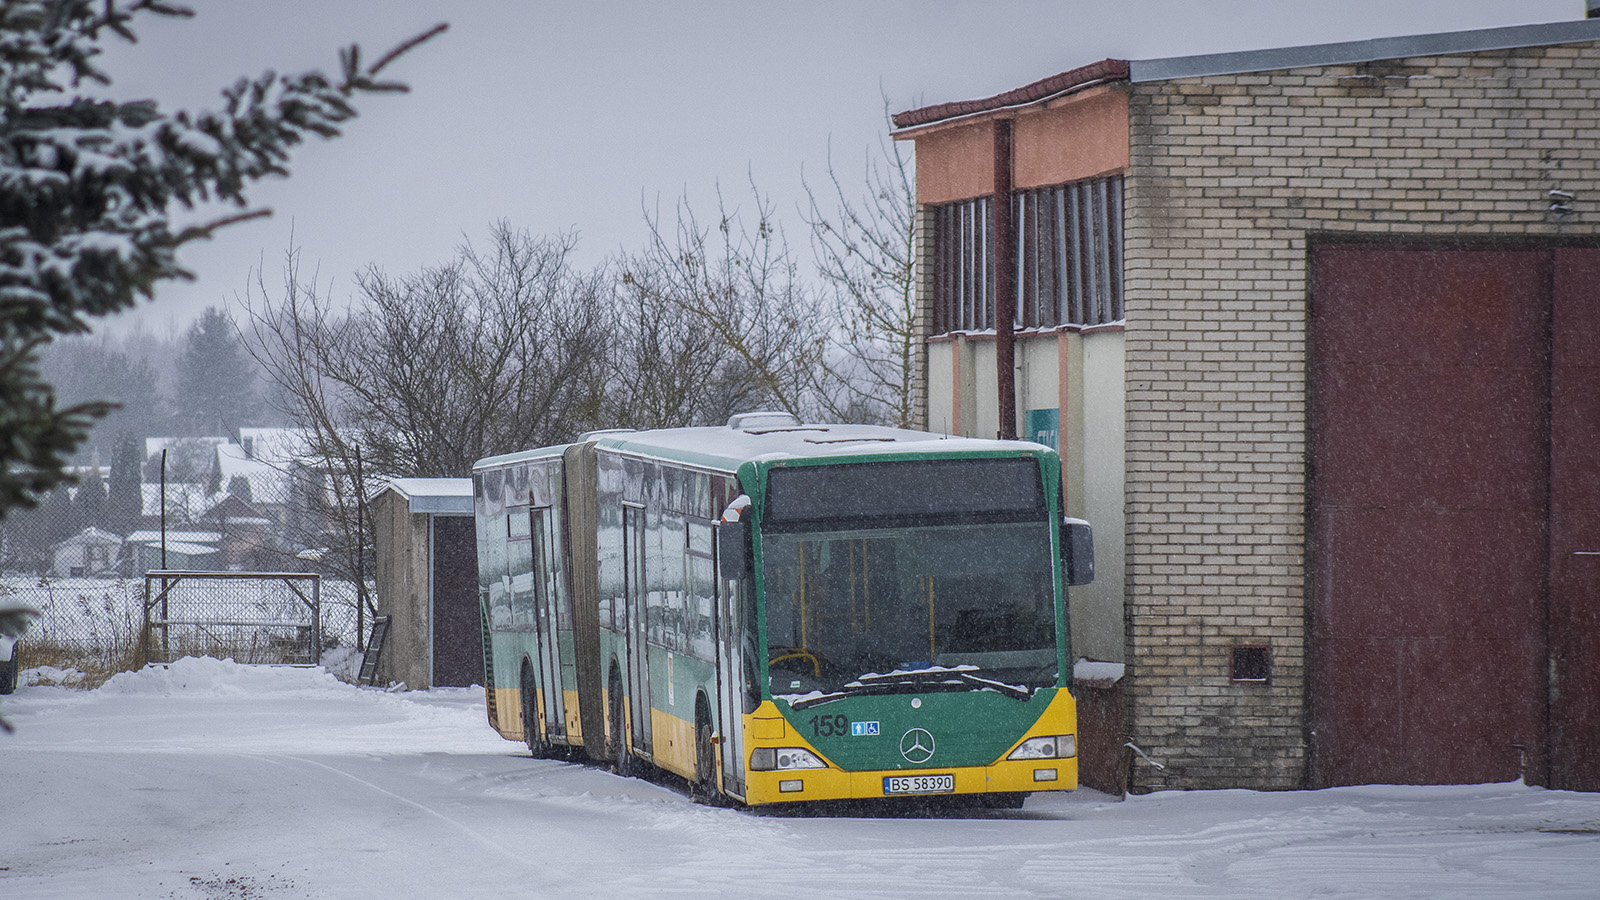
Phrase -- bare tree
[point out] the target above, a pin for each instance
(736, 284)
(289, 336)
(865, 253)
(664, 370)
(497, 350)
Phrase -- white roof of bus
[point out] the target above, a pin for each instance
(727, 448)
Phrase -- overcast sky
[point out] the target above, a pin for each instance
(575, 115)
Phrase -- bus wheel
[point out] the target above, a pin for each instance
(621, 761)
(537, 748)
(704, 790)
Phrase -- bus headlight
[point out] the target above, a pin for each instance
(767, 759)
(1053, 746)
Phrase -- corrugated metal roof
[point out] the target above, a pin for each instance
(1350, 52)
(1344, 53)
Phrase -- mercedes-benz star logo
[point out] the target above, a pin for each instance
(917, 746)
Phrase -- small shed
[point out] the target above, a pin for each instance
(428, 582)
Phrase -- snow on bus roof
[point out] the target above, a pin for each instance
(723, 447)
(728, 447)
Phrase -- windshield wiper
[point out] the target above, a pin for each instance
(944, 679)
(924, 680)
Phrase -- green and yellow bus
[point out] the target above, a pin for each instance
(782, 612)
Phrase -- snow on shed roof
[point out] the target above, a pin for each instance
(184, 548)
(90, 535)
(193, 537)
(440, 496)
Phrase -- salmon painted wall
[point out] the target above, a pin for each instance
(1078, 137)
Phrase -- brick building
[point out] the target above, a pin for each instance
(1318, 329)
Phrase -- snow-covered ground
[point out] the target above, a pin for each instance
(211, 780)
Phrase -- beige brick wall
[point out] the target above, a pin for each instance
(1231, 177)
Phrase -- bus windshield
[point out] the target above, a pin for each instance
(915, 608)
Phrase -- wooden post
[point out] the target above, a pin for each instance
(1005, 283)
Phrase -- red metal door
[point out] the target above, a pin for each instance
(1575, 523)
(1430, 380)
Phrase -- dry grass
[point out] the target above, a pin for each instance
(96, 667)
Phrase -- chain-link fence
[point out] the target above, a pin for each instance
(98, 625)
(89, 624)
(255, 501)
(246, 617)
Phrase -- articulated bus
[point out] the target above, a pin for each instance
(782, 612)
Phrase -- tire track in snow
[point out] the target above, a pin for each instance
(547, 876)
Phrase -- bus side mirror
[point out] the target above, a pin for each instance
(733, 549)
(1077, 550)
(733, 539)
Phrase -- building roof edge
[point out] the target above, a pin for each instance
(1373, 50)
(1043, 89)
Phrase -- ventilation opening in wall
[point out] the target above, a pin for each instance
(1251, 665)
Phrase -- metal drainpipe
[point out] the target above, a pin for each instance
(1005, 282)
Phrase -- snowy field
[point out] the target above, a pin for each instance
(210, 780)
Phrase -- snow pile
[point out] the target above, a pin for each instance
(343, 662)
(207, 677)
(198, 704)
(1097, 674)
(51, 675)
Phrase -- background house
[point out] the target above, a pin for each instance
(88, 553)
(1317, 327)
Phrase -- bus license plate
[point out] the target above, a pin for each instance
(919, 784)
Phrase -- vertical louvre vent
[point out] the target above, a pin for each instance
(1069, 258)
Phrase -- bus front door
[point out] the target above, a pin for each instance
(731, 689)
(547, 623)
(638, 663)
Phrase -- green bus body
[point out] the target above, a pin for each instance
(781, 612)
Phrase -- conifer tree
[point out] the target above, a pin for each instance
(88, 185)
(125, 496)
(91, 501)
(216, 389)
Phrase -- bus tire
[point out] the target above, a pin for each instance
(538, 748)
(704, 789)
(621, 759)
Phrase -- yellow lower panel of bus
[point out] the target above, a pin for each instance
(672, 743)
(1006, 776)
(508, 702)
(766, 727)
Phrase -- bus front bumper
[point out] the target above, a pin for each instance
(1003, 777)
